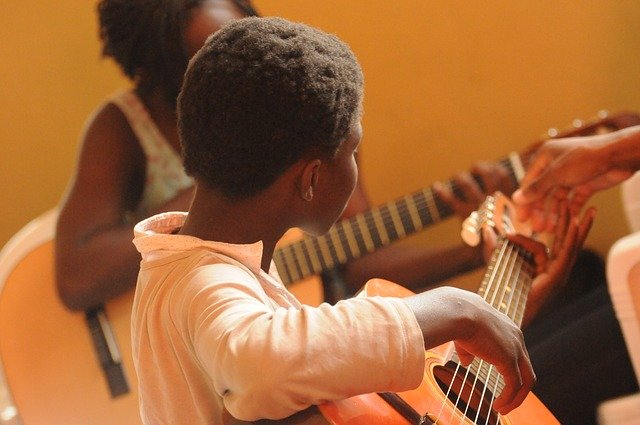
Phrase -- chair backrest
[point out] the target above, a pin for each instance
(623, 276)
(630, 192)
(36, 233)
(623, 272)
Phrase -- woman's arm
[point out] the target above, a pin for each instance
(95, 256)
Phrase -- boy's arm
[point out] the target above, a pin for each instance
(272, 362)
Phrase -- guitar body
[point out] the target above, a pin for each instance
(50, 364)
(429, 398)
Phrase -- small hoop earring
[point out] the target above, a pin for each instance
(308, 194)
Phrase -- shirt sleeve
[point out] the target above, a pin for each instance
(270, 362)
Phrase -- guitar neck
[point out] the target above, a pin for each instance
(364, 233)
(505, 286)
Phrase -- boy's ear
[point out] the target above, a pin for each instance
(308, 179)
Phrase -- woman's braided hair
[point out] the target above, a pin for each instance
(145, 38)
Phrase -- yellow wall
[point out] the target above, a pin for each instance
(447, 83)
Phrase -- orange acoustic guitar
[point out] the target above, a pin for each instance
(450, 393)
(56, 370)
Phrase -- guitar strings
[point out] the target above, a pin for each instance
(519, 291)
(515, 293)
(521, 284)
(424, 201)
(510, 264)
(508, 272)
(502, 266)
(508, 268)
(492, 271)
(288, 254)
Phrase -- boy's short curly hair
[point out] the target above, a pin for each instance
(261, 94)
(145, 38)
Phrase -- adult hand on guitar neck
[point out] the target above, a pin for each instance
(573, 169)
(472, 187)
(493, 337)
(553, 265)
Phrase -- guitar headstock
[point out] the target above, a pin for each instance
(497, 211)
(602, 122)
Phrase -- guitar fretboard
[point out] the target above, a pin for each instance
(505, 286)
(364, 233)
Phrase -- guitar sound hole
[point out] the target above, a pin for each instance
(472, 401)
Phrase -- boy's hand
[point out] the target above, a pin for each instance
(478, 330)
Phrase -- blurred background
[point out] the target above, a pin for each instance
(448, 83)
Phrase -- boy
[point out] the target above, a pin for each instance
(269, 119)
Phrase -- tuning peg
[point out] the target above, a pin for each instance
(471, 229)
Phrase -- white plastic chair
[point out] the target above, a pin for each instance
(36, 233)
(630, 192)
(623, 277)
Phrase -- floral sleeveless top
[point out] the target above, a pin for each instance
(165, 176)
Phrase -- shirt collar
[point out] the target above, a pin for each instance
(155, 236)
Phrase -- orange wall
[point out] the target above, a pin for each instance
(447, 83)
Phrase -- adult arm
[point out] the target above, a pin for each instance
(95, 256)
(572, 170)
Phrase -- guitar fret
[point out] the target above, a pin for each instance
(405, 217)
(387, 221)
(337, 245)
(373, 229)
(351, 239)
(431, 205)
(413, 212)
(318, 249)
(305, 269)
(355, 227)
(287, 277)
(509, 267)
(344, 243)
(298, 269)
(516, 298)
(325, 252)
(380, 227)
(364, 231)
(313, 255)
(423, 208)
(396, 220)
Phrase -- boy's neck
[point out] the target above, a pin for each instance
(216, 218)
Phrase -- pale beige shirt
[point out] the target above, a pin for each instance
(212, 331)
